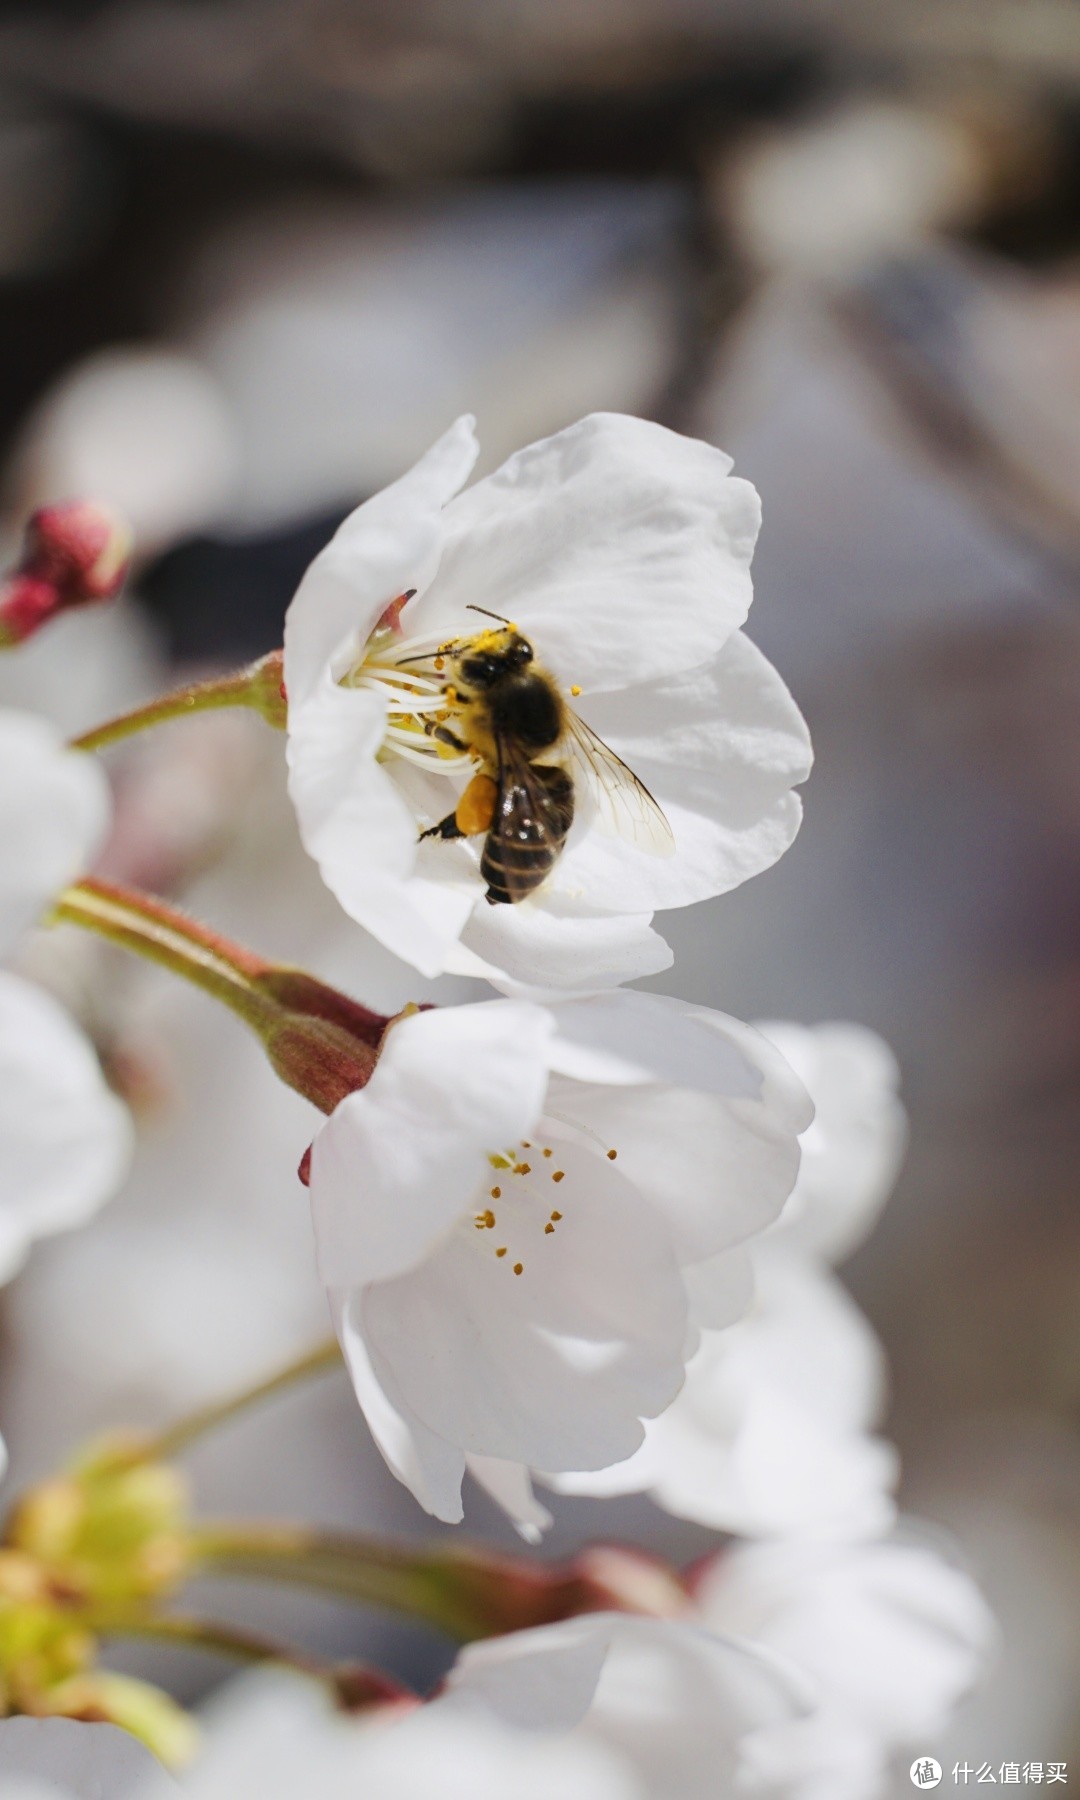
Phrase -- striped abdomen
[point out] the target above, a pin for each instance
(534, 811)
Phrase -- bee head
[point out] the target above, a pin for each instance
(492, 656)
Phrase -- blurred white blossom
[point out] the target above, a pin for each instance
(680, 1704)
(276, 1736)
(889, 1634)
(65, 1140)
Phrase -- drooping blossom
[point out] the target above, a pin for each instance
(773, 1431)
(622, 552)
(513, 1213)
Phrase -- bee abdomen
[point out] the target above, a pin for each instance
(518, 856)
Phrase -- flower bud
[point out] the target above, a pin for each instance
(73, 554)
(115, 1527)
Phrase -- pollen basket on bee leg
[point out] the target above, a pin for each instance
(476, 808)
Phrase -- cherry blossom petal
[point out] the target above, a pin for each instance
(852, 1152)
(769, 1433)
(510, 1486)
(66, 1140)
(422, 1461)
(553, 1366)
(720, 747)
(624, 1038)
(54, 813)
(399, 1161)
(388, 545)
(890, 1632)
(621, 547)
(677, 1702)
(719, 1166)
(356, 826)
(555, 942)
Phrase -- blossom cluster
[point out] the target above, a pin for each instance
(576, 1236)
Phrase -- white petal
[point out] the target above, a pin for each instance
(388, 545)
(675, 1701)
(852, 1152)
(539, 1680)
(890, 1631)
(721, 1288)
(629, 1037)
(510, 1487)
(54, 813)
(66, 1140)
(399, 1161)
(718, 1167)
(720, 748)
(359, 830)
(769, 1433)
(553, 1367)
(422, 1461)
(621, 548)
(554, 942)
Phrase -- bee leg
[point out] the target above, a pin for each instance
(443, 736)
(446, 828)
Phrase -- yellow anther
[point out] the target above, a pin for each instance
(549, 1151)
(612, 1154)
(549, 1228)
(556, 1216)
(558, 1174)
(518, 1268)
(575, 690)
(522, 1168)
(496, 1193)
(501, 1251)
(489, 1218)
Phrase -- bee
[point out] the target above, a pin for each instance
(509, 713)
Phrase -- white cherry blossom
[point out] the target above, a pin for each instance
(54, 812)
(622, 551)
(276, 1735)
(890, 1636)
(509, 1217)
(681, 1705)
(773, 1430)
(65, 1139)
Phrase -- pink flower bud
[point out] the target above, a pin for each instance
(73, 553)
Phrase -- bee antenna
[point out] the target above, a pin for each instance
(490, 615)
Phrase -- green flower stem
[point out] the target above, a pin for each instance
(464, 1593)
(161, 933)
(351, 1684)
(258, 687)
(319, 1041)
(189, 1430)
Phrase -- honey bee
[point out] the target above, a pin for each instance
(510, 715)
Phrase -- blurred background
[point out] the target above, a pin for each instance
(254, 256)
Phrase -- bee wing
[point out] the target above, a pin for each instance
(624, 804)
(526, 813)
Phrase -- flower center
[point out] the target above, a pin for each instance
(519, 1213)
(407, 673)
